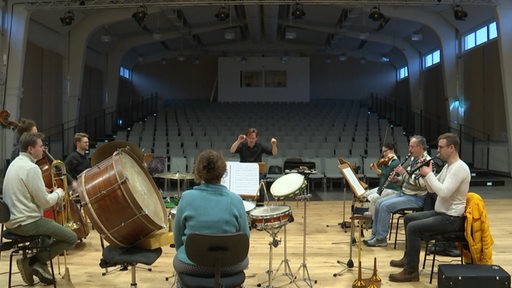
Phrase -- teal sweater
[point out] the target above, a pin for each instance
(208, 208)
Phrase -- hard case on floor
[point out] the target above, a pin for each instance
(472, 276)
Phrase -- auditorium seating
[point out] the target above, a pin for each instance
(317, 130)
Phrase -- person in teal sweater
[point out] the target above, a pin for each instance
(208, 208)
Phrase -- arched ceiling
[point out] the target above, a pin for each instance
(331, 29)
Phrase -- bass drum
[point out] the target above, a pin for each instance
(121, 199)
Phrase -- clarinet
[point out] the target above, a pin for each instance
(381, 188)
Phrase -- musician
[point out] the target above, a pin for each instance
(251, 151)
(383, 168)
(25, 195)
(25, 125)
(451, 186)
(77, 162)
(195, 213)
(412, 194)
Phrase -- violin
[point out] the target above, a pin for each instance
(383, 161)
(4, 120)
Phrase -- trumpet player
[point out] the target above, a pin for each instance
(25, 195)
(451, 186)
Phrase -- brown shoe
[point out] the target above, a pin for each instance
(397, 263)
(405, 276)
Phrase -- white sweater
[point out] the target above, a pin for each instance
(25, 193)
(451, 187)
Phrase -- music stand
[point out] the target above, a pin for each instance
(358, 188)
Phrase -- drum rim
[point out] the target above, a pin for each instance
(295, 176)
(275, 214)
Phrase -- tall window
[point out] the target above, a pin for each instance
(480, 35)
(403, 72)
(431, 59)
(125, 72)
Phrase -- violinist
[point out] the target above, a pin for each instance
(383, 169)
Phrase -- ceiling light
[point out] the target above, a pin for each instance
(362, 60)
(229, 35)
(68, 18)
(376, 15)
(343, 57)
(140, 15)
(157, 35)
(459, 13)
(298, 11)
(106, 37)
(181, 57)
(416, 36)
(222, 14)
(290, 35)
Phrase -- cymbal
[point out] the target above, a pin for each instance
(175, 175)
(106, 150)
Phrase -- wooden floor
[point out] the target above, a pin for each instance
(326, 243)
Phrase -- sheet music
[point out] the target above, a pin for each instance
(352, 178)
(242, 178)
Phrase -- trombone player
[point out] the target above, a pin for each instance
(25, 195)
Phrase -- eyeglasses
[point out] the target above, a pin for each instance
(413, 146)
(385, 151)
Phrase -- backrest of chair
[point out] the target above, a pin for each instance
(217, 250)
(5, 213)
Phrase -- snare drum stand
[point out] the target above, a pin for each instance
(285, 262)
(272, 244)
(304, 198)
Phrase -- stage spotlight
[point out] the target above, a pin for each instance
(376, 15)
(459, 13)
(298, 11)
(140, 15)
(222, 14)
(68, 18)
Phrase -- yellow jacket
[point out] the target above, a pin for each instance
(477, 231)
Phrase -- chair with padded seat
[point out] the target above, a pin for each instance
(128, 256)
(215, 251)
(16, 243)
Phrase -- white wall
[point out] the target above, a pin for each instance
(297, 88)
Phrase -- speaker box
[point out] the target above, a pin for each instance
(472, 276)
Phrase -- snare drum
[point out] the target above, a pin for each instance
(248, 206)
(288, 186)
(269, 217)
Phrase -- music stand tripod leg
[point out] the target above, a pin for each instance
(350, 263)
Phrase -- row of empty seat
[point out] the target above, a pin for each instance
(319, 132)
